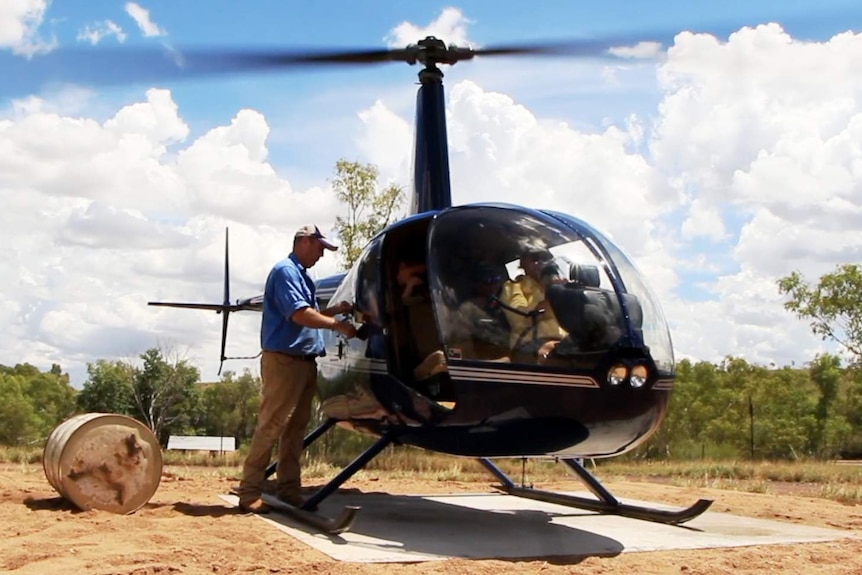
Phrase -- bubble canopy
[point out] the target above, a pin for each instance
(506, 280)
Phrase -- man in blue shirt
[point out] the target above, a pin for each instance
(291, 340)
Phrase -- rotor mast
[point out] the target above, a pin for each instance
(431, 184)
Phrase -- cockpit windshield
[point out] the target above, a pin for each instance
(518, 286)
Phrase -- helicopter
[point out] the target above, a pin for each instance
(427, 371)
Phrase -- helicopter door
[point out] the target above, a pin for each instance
(417, 352)
(368, 304)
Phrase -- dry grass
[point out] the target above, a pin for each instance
(825, 479)
(828, 480)
(794, 472)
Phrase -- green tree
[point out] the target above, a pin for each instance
(850, 407)
(108, 388)
(165, 394)
(52, 399)
(369, 209)
(32, 403)
(783, 403)
(833, 307)
(230, 406)
(709, 412)
(832, 428)
(23, 369)
(17, 420)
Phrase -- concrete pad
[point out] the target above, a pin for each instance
(412, 528)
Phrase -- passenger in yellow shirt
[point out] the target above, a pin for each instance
(527, 294)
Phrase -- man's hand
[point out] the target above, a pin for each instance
(547, 349)
(343, 307)
(346, 329)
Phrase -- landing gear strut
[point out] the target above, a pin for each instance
(305, 513)
(605, 502)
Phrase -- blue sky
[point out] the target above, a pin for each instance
(719, 165)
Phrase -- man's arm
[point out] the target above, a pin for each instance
(292, 303)
(309, 317)
(339, 308)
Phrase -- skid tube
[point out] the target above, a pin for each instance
(305, 513)
(604, 503)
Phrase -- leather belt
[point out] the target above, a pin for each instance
(306, 357)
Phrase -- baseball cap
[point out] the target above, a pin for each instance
(311, 231)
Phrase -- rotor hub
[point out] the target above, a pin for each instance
(432, 51)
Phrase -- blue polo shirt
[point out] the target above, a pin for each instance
(288, 289)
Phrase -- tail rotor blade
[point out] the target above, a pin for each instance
(224, 319)
(226, 313)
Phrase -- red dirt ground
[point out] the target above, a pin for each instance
(186, 528)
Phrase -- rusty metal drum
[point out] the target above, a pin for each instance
(103, 461)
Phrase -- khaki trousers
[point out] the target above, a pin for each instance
(289, 385)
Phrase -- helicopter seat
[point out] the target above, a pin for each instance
(585, 275)
(591, 316)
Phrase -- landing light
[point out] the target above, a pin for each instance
(639, 376)
(617, 374)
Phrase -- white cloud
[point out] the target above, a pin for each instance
(766, 128)
(500, 151)
(703, 221)
(95, 33)
(19, 26)
(640, 50)
(450, 26)
(388, 139)
(141, 16)
(132, 212)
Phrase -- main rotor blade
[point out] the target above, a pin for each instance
(612, 47)
(117, 66)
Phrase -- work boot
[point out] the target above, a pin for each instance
(294, 499)
(256, 506)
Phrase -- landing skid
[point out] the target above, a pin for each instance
(605, 502)
(340, 524)
(306, 513)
